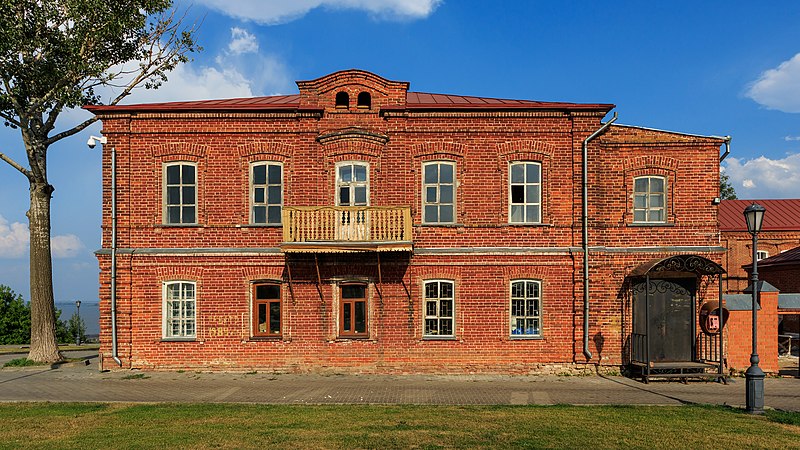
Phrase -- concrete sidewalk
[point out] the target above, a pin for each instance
(76, 382)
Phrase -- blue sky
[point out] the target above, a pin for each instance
(711, 67)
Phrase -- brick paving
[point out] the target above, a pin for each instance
(76, 382)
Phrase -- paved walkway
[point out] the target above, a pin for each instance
(76, 382)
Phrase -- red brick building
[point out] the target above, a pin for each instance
(780, 232)
(359, 226)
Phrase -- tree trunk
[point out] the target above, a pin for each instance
(44, 347)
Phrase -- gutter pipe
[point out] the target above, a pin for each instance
(114, 354)
(727, 140)
(585, 232)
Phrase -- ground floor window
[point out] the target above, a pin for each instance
(526, 315)
(179, 309)
(353, 313)
(439, 306)
(267, 309)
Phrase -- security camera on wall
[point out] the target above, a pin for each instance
(93, 140)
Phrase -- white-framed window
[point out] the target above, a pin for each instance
(439, 192)
(525, 192)
(439, 304)
(649, 199)
(352, 183)
(761, 254)
(526, 308)
(266, 192)
(179, 309)
(180, 193)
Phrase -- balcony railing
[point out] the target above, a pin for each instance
(346, 227)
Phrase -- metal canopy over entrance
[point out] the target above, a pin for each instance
(665, 341)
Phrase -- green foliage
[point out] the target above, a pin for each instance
(76, 328)
(22, 362)
(726, 190)
(54, 53)
(15, 318)
(62, 332)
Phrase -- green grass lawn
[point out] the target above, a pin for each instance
(57, 425)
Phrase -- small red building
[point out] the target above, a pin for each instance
(780, 232)
(359, 226)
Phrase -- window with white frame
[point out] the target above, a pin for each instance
(439, 305)
(525, 192)
(179, 309)
(649, 199)
(266, 192)
(180, 193)
(352, 184)
(761, 254)
(439, 192)
(526, 312)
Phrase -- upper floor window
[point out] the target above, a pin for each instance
(649, 199)
(526, 314)
(179, 309)
(761, 254)
(352, 184)
(525, 192)
(438, 192)
(266, 192)
(364, 100)
(353, 312)
(342, 100)
(180, 193)
(439, 304)
(267, 309)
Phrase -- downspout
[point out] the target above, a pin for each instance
(114, 354)
(727, 140)
(585, 232)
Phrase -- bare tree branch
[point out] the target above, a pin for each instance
(10, 119)
(15, 165)
(74, 130)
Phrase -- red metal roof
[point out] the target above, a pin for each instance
(423, 100)
(245, 104)
(781, 215)
(788, 257)
(414, 100)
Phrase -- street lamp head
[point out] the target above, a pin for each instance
(754, 216)
(78, 303)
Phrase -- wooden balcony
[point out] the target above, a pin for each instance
(332, 229)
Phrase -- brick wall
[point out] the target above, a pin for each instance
(481, 253)
(739, 335)
(740, 253)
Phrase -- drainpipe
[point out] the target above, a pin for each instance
(114, 354)
(727, 140)
(585, 232)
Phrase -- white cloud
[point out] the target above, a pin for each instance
(791, 138)
(779, 88)
(15, 238)
(187, 83)
(764, 177)
(242, 41)
(66, 246)
(281, 11)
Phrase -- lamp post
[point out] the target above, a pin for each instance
(78, 334)
(754, 376)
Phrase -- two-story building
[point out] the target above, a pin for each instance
(359, 226)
